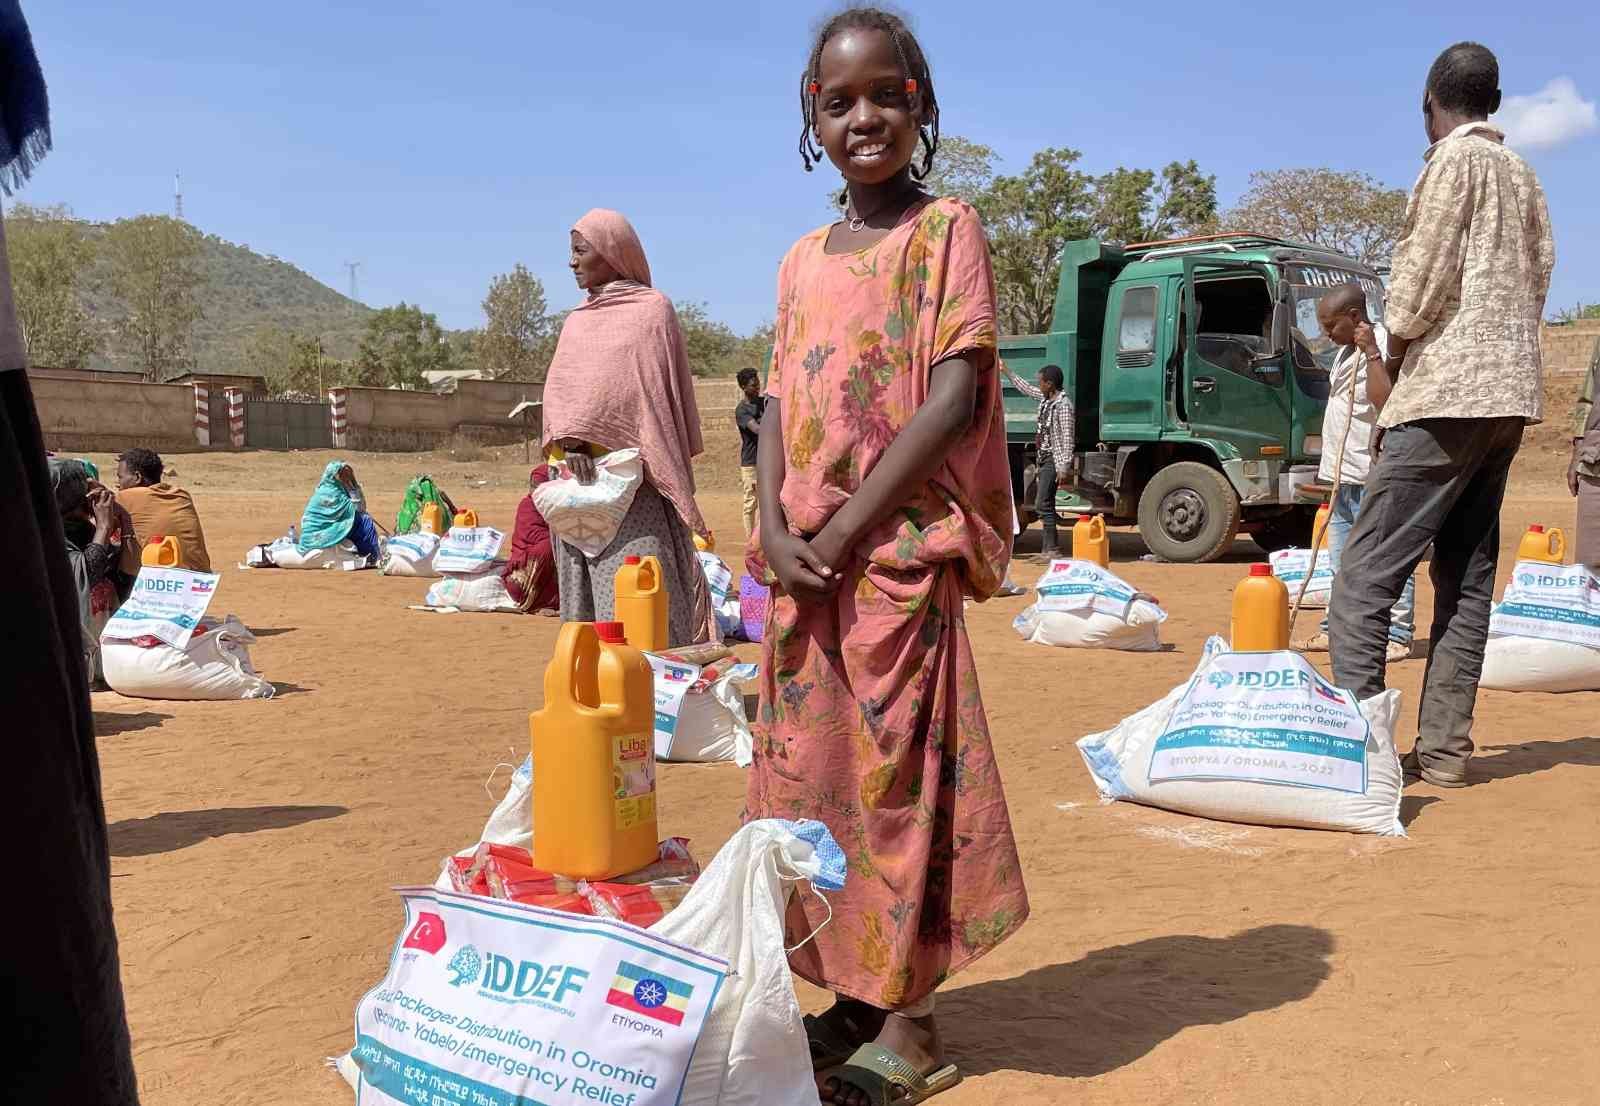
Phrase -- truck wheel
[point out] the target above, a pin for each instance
(1188, 513)
(1291, 530)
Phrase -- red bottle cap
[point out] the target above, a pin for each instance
(632, 560)
(1536, 529)
(1261, 570)
(611, 633)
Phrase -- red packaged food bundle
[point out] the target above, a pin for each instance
(511, 874)
(465, 877)
(572, 902)
(640, 904)
(673, 861)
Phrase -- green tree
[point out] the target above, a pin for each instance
(1030, 219)
(155, 272)
(401, 344)
(1344, 211)
(961, 168)
(1137, 205)
(49, 251)
(711, 345)
(1576, 312)
(512, 344)
(292, 364)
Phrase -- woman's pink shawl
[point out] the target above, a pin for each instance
(620, 377)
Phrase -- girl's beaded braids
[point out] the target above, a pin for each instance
(912, 60)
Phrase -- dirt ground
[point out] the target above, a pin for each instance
(1168, 959)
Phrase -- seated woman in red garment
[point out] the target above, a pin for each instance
(530, 575)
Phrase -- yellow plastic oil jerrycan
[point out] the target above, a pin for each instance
(1539, 544)
(1260, 612)
(1089, 541)
(466, 517)
(160, 553)
(1319, 527)
(594, 764)
(431, 520)
(642, 603)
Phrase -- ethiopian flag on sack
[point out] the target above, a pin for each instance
(649, 994)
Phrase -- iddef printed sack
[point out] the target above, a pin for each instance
(1292, 565)
(1545, 633)
(284, 554)
(700, 711)
(214, 663)
(483, 592)
(1261, 738)
(1083, 606)
(411, 555)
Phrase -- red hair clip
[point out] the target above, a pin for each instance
(911, 86)
(814, 88)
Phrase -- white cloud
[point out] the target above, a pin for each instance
(1553, 116)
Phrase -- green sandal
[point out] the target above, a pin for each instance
(830, 1045)
(887, 1080)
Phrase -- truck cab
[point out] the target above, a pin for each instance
(1198, 376)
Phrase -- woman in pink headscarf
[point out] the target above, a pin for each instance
(620, 380)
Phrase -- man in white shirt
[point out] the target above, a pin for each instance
(1347, 428)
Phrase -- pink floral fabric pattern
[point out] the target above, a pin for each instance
(871, 719)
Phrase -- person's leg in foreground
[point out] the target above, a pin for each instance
(747, 481)
(1343, 509)
(1045, 507)
(1439, 482)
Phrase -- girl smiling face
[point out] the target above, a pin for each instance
(866, 120)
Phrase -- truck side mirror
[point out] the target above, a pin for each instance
(1280, 328)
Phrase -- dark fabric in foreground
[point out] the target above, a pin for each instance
(24, 103)
(61, 1015)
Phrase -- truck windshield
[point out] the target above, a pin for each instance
(1307, 285)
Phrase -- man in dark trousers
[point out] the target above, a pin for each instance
(1462, 380)
(748, 416)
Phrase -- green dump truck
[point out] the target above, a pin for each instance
(1198, 375)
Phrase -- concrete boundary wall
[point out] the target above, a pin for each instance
(104, 416)
(99, 415)
(1568, 348)
(390, 420)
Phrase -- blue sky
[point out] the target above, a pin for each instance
(440, 143)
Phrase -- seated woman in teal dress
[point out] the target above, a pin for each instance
(338, 512)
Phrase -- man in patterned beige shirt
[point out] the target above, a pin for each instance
(1462, 380)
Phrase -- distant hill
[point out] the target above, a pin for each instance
(243, 291)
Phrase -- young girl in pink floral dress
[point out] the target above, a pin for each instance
(885, 501)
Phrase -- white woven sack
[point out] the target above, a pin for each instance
(1290, 565)
(283, 554)
(411, 555)
(1080, 605)
(1535, 664)
(711, 725)
(724, 595)
(1544, 635)
(1259, 738)
(1139, 631)
(214, 665)
(588, 516)
(481, 592)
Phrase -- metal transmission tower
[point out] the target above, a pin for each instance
(353, 266)
(177, 196)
